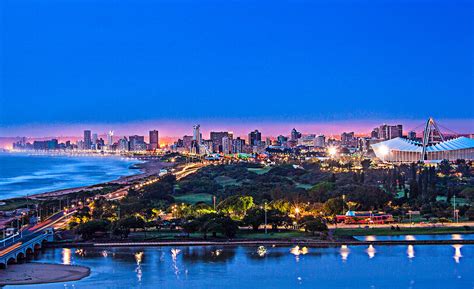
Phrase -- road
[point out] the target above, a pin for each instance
(30, 231)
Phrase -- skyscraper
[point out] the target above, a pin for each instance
(238, 145)
(320, 141)
(154, 140)
(390, 131)
(110, 139)
(412, 135)
(255, 138)
(295, 134)
(226, 145)
(216, 137)
(197, 133)
(87, 140)
(137, 143)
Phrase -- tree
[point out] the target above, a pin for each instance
(213, 223)
(445, 167)
(470, 214)
(277, 218)
(468, 193)
(316, 225)
(281, 205)
(132, 222)
(333, 206)
(236, 205)
(321, 191)
(88, 229)
(365, 163)
(254, 218)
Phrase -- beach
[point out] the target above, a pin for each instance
(38, 273)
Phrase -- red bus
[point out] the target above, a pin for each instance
(352, 217)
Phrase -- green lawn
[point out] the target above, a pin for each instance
(304, 186)
(194, 198)
(403, 231)
(226, 181)
(241, 234)
(259, 171)
(248, 234)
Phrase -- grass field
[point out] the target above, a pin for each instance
(403, 231)
(260, 171)
(241, 234)
(194, 198)
(304, 186)
(226, 181)
(271, 235)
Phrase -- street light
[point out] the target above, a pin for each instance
(297, 211)
(265, 209)
(332, 151)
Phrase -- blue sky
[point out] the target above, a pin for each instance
(87, 62)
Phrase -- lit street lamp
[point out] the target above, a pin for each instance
(265, 209)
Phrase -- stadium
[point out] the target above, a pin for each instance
(434, 147)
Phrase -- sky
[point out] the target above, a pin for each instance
(134, 65)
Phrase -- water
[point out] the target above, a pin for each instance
(22, 174)
(416, 237)
(429, 266)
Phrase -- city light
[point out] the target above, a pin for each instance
(332, 151)
(384, 150)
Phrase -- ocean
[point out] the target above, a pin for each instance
(24, 174)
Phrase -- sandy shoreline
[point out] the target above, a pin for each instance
(38, 273)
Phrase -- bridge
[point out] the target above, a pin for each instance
(17, 247)
(29, 239)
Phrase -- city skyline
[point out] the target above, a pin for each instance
(175, 129)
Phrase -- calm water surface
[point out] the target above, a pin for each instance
(416, 237)
(281, 267)
(22, 174)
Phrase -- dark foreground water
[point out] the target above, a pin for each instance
(416, 237)
(22, 174)
(281, 267)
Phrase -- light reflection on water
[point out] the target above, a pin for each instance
(457, 253)
(435, 266)
(371, 238)
(411, 251)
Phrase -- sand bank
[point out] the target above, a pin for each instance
(37, 273)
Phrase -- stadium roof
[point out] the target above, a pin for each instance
(402, 144)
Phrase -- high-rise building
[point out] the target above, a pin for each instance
(87, 140)
(216, 137)
(238, 145)
(282, 139)
(268, 141)
(187, 142)
(137, 143)
(375, 133)
(347, 138)
(226, 145)
(412, 135)
(110, 139)
(123, 144)
(320, 141)
(154, 140)
(387, 132)
(307, 140)
(95, 138)
(197, 134)
(255, 138)
(295, 135)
